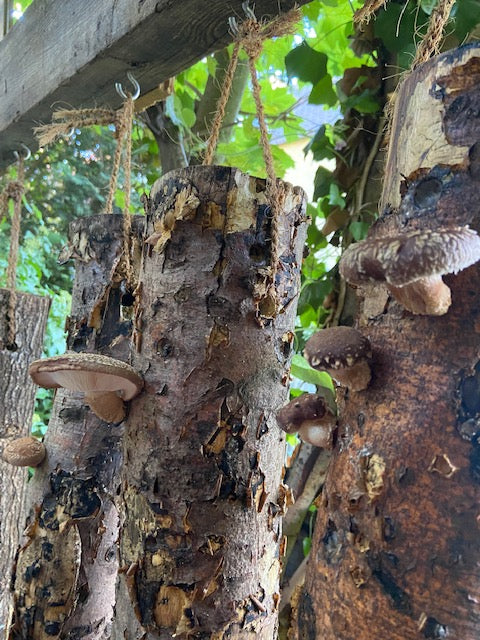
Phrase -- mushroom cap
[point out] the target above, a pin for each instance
(87, 372)
(404, 258)
(336, 348)
(307, 409)
(24, 452)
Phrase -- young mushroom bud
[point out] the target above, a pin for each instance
(411, 264)
(310, 415)
(106, 382)
(24, 452)
(343, 353)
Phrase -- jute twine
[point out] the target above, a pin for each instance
(64, 120)
(14, 191)
(366, 13)
(430, 44)
(428, 47)
(249, 36)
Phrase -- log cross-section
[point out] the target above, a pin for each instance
(72, 53)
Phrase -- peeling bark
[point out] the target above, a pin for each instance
(17, 394)
(397, 541)
(64, 583)
(202, 491)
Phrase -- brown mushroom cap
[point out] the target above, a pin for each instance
(24, 452)
(87, 372)
(419, 256)
(105, 381)
(310, 415)
(342, 352)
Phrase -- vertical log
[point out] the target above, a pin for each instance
(397, 541)
(17, 399)
(65, 574)
(201, 491)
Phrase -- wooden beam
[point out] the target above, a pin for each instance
(70, 53)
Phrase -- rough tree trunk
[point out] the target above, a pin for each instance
(201, 490)
(397, 540)
(66, 570)
(17, 399)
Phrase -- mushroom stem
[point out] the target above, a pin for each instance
(107, 406)
(427, 296)
(356, 377)
(320, 435)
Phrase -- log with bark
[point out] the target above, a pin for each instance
(202, 490)
(17, 399)
(64, 580)
(397, 541)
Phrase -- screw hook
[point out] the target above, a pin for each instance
(248, 11)
(136, 86)
(233, 27)
(26, 155)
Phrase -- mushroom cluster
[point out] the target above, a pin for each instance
(412, 264)
(106, 382)
(344, 353)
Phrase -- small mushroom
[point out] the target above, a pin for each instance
(310, 415)
(24, 452)
(105, 382)
(411, 264)
(343, 353)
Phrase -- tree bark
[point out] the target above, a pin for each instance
(17, 393)
(64, 583)
(397, 541)
(201, 490)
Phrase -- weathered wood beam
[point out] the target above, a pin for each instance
(72, 53)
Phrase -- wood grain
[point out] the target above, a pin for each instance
(71, 53)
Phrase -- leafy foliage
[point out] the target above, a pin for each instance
(341, 70)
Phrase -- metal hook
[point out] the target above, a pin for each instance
(121, 92)
(27, 154)
(233, 26)
(248, 11)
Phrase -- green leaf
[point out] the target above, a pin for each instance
(303, 371)
(320, 145)
(306, 545)
(188, 117)
(322, 182)
(314, 293)
(323, 92)
(306, 64)
(359, 230)
(467, 17)
(334, 196)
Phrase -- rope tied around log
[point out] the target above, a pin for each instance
(250, 35)
(14, 191)
(64, 120)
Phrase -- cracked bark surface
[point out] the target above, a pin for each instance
(17, 393)
(202, 491)
(397, 541)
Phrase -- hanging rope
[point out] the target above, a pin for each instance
(64, 120)
(428, 47)
(14, 191)
(366, 13)
(250, 35)
(431, 41)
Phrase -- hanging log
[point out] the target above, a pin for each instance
(397, 541)
(202, 491)
(17, 399)
(64, 583)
